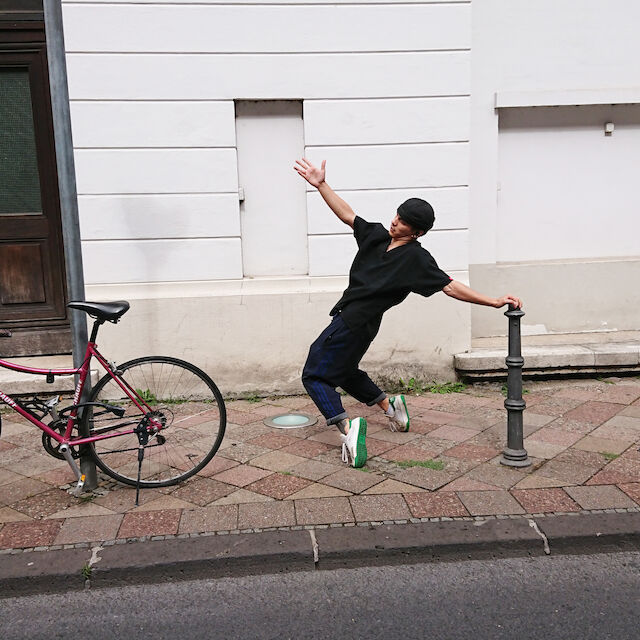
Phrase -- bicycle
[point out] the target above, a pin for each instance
(150, 422)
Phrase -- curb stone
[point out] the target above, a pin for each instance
(424, 542)
(147, 561)
(593, 532)
(47, 571)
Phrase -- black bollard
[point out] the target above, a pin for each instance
(514, 454)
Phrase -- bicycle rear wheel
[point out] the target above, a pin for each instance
(182, 398)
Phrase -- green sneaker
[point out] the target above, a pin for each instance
(400, 419)
(354, 447)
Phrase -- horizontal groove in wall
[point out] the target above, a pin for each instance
(350, 233)
(180, 238)
(222, 101)
(275, 285)
(412, 187)
(131, 239)
(274, 3)
(226, 100)
(385, 144)
(252, 54)
(266, 3)
(450, 186)
(160, 193)
(388, 144)
(266, 53)
(387, 98)
(150, 148)
(156, 239)
(235, 193)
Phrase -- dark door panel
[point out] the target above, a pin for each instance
(19, 285)
(32, 272)
(14, 227)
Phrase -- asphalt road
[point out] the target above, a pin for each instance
(559, 597)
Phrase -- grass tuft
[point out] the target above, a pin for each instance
(505, 391)
(447, 387)
(86, 571)
(436, 465)
(415, 385)
(150, 398)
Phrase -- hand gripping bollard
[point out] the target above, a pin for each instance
(514, 454)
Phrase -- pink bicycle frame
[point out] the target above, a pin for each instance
(83, 372)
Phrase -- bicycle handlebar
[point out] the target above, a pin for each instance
(5, 333)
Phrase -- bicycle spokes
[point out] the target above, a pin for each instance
(177, 406)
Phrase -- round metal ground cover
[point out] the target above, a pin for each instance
(292, 420)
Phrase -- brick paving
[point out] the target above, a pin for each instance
(435, 505)
(582, 437)
(216, 518)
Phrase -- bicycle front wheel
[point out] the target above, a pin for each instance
(183, 400)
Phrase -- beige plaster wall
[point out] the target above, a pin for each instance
(258, 343)
(561, 296)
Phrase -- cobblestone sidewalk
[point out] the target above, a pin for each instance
(582, 436)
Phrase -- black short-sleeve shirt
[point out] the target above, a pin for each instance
(380, 279)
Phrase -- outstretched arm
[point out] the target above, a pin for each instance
(460, 291)
(315, 177)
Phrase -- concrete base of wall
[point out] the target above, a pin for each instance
(561, 297)
(258, 343)
(551, 360)
(16, 384)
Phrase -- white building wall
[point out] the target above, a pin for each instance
(566, 184)
(553, 199)
(385, 90)
(160, 80)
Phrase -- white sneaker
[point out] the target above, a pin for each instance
(353, 444)
(399, 421)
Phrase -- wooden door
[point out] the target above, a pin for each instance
(32, 271)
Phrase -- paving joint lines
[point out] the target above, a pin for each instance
(309, 527)
(276, 492)
(318, 547)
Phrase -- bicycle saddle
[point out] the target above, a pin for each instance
(111, 311)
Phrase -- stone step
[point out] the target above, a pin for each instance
(16, 383)
(595, 358)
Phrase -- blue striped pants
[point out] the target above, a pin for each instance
(333, 362)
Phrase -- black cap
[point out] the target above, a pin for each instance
(418, 213)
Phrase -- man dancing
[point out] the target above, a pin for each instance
(389, 265)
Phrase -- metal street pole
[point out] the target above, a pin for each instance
(514, 454)
(68, 195)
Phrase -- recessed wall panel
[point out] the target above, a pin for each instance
(161, 260)
(278, 77)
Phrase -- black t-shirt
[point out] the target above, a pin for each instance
(380, 279)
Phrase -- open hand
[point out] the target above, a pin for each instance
(313, 175)
(516, 302)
